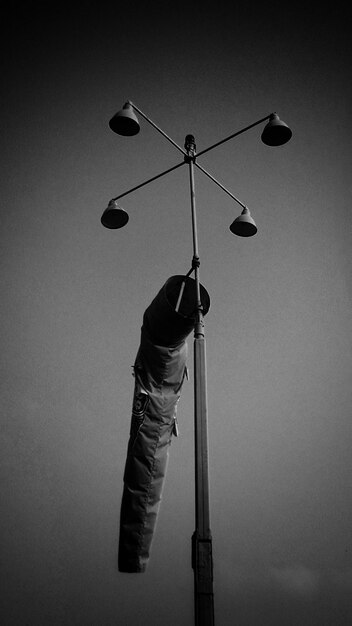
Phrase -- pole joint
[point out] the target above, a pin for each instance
(190, 147)
(195, 262)
(199, 323)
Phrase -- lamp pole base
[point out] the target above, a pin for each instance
(202, 563)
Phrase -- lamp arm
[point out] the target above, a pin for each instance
(239, 132)
(125, 193)
(219, 184)
(157, 127)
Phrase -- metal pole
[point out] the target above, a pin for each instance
(156, 127)
(238, 132)
(202, 560)
(220, 185)
(146, 182)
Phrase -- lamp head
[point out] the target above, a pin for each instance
(125, 122)
(276, 132)
(244, 225)
(114, 216)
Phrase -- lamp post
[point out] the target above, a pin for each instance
(275, 133)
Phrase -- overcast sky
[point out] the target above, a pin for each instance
(73, 294)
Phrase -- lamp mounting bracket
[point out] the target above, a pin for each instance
(190, 147)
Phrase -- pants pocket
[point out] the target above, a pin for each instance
(139, 407)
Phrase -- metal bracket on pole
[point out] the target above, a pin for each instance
(195, 262)
(190, 147)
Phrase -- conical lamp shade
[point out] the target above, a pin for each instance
(276, 132)
(244, 225)
(114, 216)
(125, 122)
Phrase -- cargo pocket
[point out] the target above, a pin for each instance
(139, 407)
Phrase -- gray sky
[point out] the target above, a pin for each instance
(73, 294)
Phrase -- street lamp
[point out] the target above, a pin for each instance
(275, 133)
